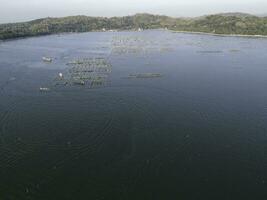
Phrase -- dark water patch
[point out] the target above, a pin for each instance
(201, 127)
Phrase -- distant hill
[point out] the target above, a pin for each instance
(227, 24)
(223, 23)
(236, 14)
(263, 15)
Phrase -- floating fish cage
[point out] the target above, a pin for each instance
(90, 72)
(145, 75)
(209, 52)
(234, 50)
(137, 45)
(90, 62)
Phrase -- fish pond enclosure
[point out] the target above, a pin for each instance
(149, 115)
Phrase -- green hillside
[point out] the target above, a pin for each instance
(227, 23)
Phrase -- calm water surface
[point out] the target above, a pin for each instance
(197, 132)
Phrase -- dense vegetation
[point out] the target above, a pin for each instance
(233, 23)
(227, 24)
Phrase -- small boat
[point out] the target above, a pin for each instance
(46, 59)
(44, 89)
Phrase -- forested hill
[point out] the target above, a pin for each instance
(226, 23)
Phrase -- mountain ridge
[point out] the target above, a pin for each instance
(221, 23)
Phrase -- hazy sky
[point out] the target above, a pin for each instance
(21, 10)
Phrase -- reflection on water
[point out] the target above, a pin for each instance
(160, 115)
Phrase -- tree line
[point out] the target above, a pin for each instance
(220, 24)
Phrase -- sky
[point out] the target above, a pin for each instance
(24, 10)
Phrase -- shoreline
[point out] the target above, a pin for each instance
(221, 35)
(133, 30)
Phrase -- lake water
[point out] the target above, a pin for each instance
(197, 131)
